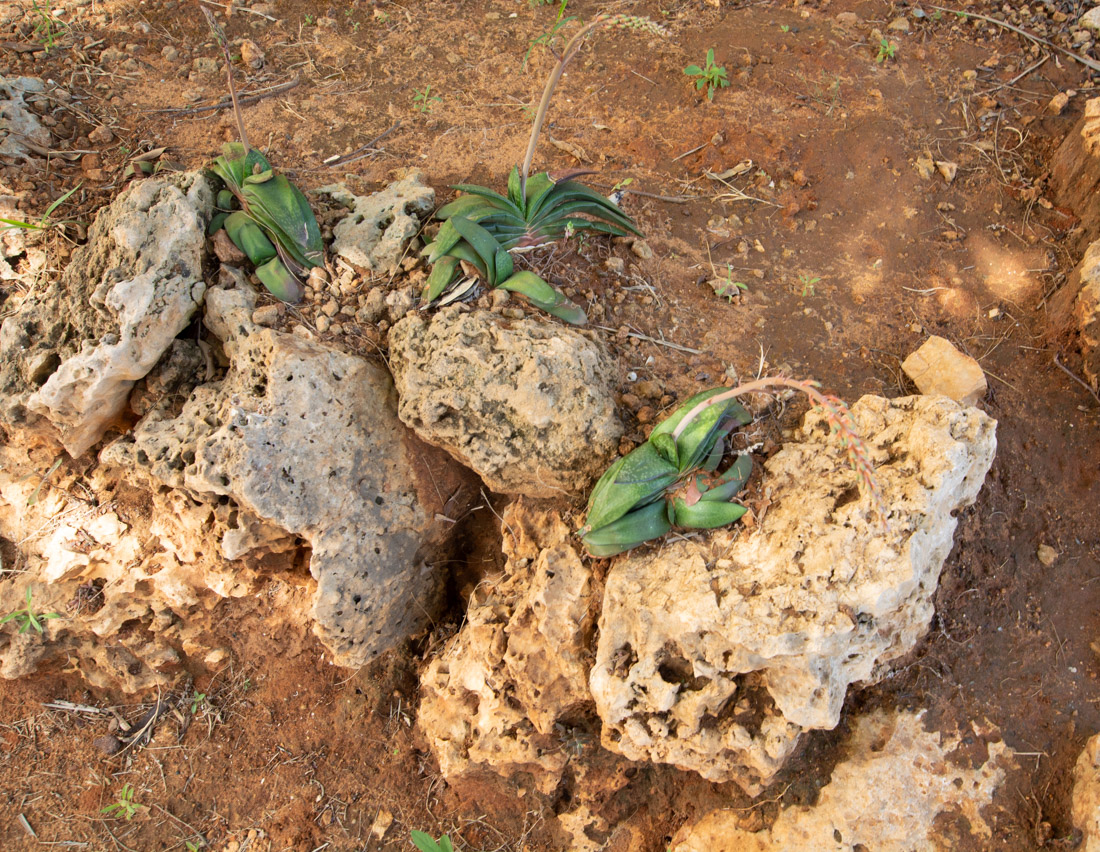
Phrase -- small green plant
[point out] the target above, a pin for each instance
(481, 228)
(424, 842)
(808, 284)
(27, 618)
(784, 28)
(125, 806)
(886, 50)
(198, 701)
(265, 215)
(423, 99)
(710, 76)
(45, 221)
(674, 479)
(191, 846)
(309, 19)
(47, 29)
(727, 286)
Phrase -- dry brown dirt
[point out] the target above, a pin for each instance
(851, 258)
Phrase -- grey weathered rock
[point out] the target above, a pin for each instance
(21, 255)
(714, 656)
(492, 698)
(937, 367)
(1086, 795)
(305, 438)
(21, 133)
(71, 353)
(886, 796)
(527, 404)
(375, 235)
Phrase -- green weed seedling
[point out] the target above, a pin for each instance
(886, 50)
(27, 618)
(727, 287)
(710, 76)
(808, 284)
(424, 842)
(423, 99)
(482, 228)
(47, 29)
(125, 806)
(45, 221)
(264, 214)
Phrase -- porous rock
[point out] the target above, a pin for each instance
(100, 572)
(71, 353)
(714, 655)
(1075, 174)
(527, 405)
(1086, 795)
(885, 796)
(21, 133)
(491, 700)
(376, 233)
(22, 257)
(1075, 309)
(304, 438)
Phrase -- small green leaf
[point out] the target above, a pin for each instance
(693, 71)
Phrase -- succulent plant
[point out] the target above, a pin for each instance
(670, 481)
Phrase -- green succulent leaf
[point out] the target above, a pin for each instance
(280, 281)
(543, 296)
(705, 515)
(482, 242)
(638, 478)
(731, 482)
(442, 274)
(515, 193)
(630, 530)
(249, 237)
(495, 198)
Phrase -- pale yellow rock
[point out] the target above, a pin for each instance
(1086, 795)
(885, 798)
(938, 368)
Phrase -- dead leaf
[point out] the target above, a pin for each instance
(571, 149)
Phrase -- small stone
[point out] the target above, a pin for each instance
(170, 53)
(225, 249)
(648, 388)
(322, 322)
(102, 135)
(899, 25)
(381, 824)
(1058, 103)
(1047, 555)
(204, 65)
(331, 308)
(498, 299)
(251, 54)
(218, 655)
(615, 265)
(925, 167)
(847, 19)
(513, 313)
(108, 745)
(641, 249)
(1090, 20)
(646, 414)
(947, 170)
(267, 315)
(939, 368)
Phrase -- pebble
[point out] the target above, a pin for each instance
(322, 322)
(1047, 555)
(331, 308)
(899, 25)
(267, 315)
(615, 265)
(252, 55)
(641, 249)
(513, 313)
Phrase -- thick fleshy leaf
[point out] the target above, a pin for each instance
(483, 243)
(731, 482)
(572, 209)
(469, 204)
(249, 237)
(538, 186)
(633, 481)
(629, 531)
(495, 197)
(705, 515)
(442, 274)
(283, 210)
(542, 295)
(515, 194)
(279, 281)
(216, 222)
(504, 265)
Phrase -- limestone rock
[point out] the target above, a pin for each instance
(376, 234)
(1090, 20)
(1086, 795)
(897, 780)
(1086, 312)
(937, 367)
(527, 405)
(21, 254)
(304, 438)
(71, 353)
(714, 656)
(21, 133)
(519, 664)
(1075, 172)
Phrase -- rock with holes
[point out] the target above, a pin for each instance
(71, 353)
(527, 404)
(1086, 795)
(376, 234)
(900, 788)
(305, 438)
(714, 655)
(1085, 282)
(493, 699)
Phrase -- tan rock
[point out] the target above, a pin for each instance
(1086, 795)
(937, 367)
(715, 654)
(886, 796)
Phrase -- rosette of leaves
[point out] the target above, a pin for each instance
(670, 480)
(545, 210)
(269, 219)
